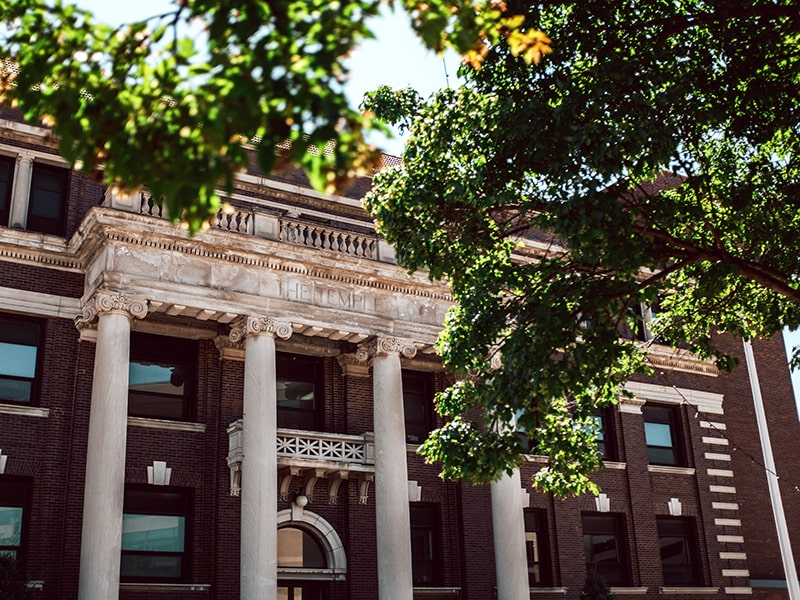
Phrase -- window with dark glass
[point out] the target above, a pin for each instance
(604, 433)
(14, 502)
(6, 185)
(604, 547)
(155, 542)
(161, 377)
(536, 548)
(299, 382)
(676, 542)
(425, 544)
(48, 199)
(417, 405)
(661, 430)
(20, 341)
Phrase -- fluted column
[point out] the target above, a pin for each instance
(259, 494)
(395, 580)
(22, 189)
(104, 488)
(508, 522)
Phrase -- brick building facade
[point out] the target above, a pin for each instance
(236, 414)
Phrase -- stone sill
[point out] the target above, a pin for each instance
(548, 590)
(24, 411)
(165, 587)
(688, 590)
(167, 424)
(437, 591)
(629, 591)
(671, 470)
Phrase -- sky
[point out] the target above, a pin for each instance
(395, 58)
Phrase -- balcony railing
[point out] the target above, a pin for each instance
(313, 456)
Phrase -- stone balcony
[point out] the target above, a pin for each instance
(312, 456)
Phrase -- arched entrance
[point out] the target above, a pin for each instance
(310, 555)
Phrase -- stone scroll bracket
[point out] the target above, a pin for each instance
(251, 325)
(104, 302)
(382, 345)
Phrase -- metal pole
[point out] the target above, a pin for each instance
(772, 478)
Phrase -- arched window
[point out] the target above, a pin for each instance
(297, 548)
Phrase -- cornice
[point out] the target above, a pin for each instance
(105, 228)
(675, 359)
(37, 249)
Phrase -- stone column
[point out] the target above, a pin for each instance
(259, 494)
(104, 488)
(508, 522)
(22, 188)
(395, 580)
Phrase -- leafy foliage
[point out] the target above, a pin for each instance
(652, 158)
(596, 587)
(13, 585)
(170, 102)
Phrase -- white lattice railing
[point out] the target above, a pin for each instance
(312, 445)
(321, 237)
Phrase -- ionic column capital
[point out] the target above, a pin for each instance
(382, 345)
(106, 302)
(252, 325)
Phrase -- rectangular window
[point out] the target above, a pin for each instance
(604, 433)
(676, 541)
(48, 199)
(161, 377)
(661, 427)
(14, 499)
(300, 387)
(6, 184)
(417, 405)
(604, 546)
(536, 548)
(20, 341)
(155, 524)
(425, 544)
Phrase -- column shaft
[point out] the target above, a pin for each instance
(395, 580)
(259, 495)
(508, 522)
(22, 189)
(104, 489)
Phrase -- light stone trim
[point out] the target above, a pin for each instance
(630, 591)
(713, 425)
(736, 572)
(38, 304)
(739, 590)
(730, 539)
(722, 489)
(725, 505)
(3, 462)
(24, 411)
(728, 522)
(719, 472)
(693, 591)
(674, 359)
(437, 591)
(707, 402)
(717, 456)
(612, 464)
(671, 470)
(733, 556)
(165, 587)
(353, 365)
(630, 405)
(716, 441)
(166, 424)
(551, 590)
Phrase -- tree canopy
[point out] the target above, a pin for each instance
(651, 159)
(174, 101)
